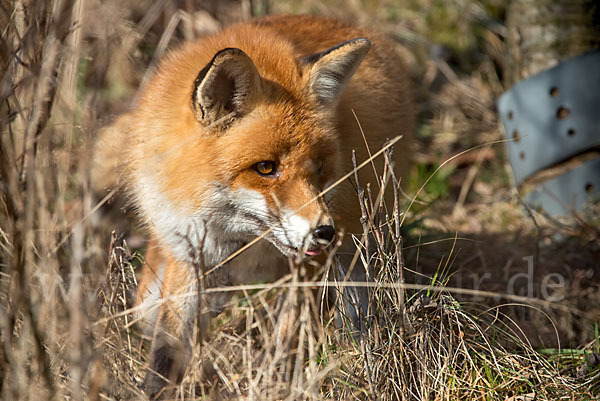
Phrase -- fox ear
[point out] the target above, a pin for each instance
(331, 70)
(227, 88)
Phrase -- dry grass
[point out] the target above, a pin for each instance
(66, 283)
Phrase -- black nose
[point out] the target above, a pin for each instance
(325, 233)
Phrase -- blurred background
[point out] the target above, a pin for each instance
(71, 67)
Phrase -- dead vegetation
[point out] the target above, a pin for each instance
(66, 283)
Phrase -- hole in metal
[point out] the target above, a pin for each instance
(571, 132)
(510, 115)
(522, 155)
(516, 136)
(562, 112)
(554, 92)
(589, 187)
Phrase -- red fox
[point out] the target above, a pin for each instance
(236, 135)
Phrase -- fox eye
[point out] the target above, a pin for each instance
(265, 168)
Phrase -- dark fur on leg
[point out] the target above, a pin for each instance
(167, 366)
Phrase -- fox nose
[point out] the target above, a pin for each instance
(325, 233)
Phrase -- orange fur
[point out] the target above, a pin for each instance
(179, 164)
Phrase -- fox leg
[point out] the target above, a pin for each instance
(174, 331)
(353, 303)
(168, 357)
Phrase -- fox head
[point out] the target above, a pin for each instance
(253, 155)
